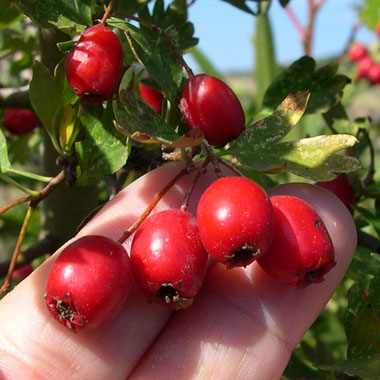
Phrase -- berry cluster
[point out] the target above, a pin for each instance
(367, 67)
(236, 224)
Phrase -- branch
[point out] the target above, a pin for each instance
(15, 97)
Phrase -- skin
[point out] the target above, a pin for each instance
(242, 325)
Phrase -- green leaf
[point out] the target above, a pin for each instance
(371, 218)
(49, 12)
(370, 13)
(104, 150)
(325, 85)
(284, 3)
(367, 368)
(136, 118)
(155, 54)
(241, 4)
(4, 161)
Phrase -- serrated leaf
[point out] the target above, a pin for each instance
(4, 161)
(136, 118)
(104, 150)
(367, 368)
(325, 85)
(48, 13)
(155, 54)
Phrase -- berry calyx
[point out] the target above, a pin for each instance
(302, 251)
(342, 189)
(151, 96)
(94, 64)
(235, 221)
(168, 259)
(88, 283)
(357, 52)
(208, 103)
(20, 121)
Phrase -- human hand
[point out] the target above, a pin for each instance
(242, 325)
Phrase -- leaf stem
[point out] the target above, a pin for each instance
(12, 204)
(107, 12)
(26, 174)
(12, 182)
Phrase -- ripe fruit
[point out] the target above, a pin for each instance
(152, 97)
(363, 67)
(94, 64)
(210, 104)
(374, 73)
(302, 251)
(357, 52)
(235, 221)
(88, 283)
(20, 121)
(342, 189)
(168, 259)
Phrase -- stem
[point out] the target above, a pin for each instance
(152, 204)
(16, 251)
(293, 18)
(212, 158)
(190, 189)
(23, 173)
(13, 204)
(52, 185)
(10, 181)
(107, 12)
(312, 12)
(158, 30)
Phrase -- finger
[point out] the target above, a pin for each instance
(243, 324)
(34, 346)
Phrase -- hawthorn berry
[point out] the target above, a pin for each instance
(373, 74)
(302, 251)
(364, 66)
(342, 189)
(94, 64)
(210, 104)
(151, 96)
(88, 283)
(235, 221)
(20, 121)
(357, 52)
(168, 259)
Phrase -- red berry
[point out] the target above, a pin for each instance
(152, 97)
(20, 121)
(168, 259)
(342, 189)
(357, 52)
(235, 221)
(210, 104)
(88, 283)
(374, 73)
(94, 64)
(363, 67)
(302, 251)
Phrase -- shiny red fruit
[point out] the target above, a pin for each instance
(235, 221)
(342, 189)
(20, 121)
(302, 251)
(168, 259)
(357, 52)
(88, 283)
(373, 74)
(210, 104)
(152, 97)
(364, 66)
(94, 64)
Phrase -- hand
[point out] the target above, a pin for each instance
(242, 325)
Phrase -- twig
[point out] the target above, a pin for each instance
(293, 18)
(13, 204)
(212, 158)
(152, 204)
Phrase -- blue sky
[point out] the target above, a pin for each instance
(226, 33)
